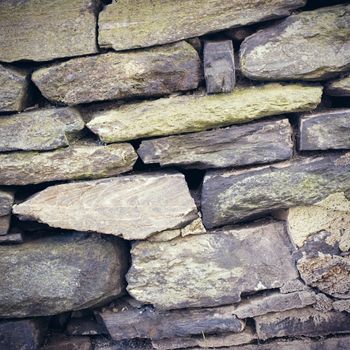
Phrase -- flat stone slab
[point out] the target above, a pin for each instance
(325, 130)
(152, 72)
(184, 114)
(125, 25)
(211, 269)
(53, 271)
(234, 196)
(312, 45)
(42, 31)
(42, 129)
(6, 201)
(71, 163)
(339, 87)
(255, 143)
(133, 206)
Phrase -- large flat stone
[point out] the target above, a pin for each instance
(70, 163)
(339, 87)
(210, 269)
(134, 206)
(152, 72)
(312, 45)
(325, 130)
(125, 25)
(255, 143)
(42, 129)
(6, 201)
(185, 114)
(49, 275)
(234, 196)
(39, 30)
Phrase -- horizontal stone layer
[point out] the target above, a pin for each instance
(339, 87)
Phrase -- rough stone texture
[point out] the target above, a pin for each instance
(42, 129)
(185, 114)
(211, 269)
(6, 201)
(11, 238)
(4, 224)
(339, 87)
(134, 206)
(219, 66)
(342, 305)
(85, 326)
(325, 130)
(323, 303)
(131, 344)
(39, 30)
(156, 71)
(60, 273)
(139, 23)
(66, 343)
(27, 334)
(234, 196)
(13, 88)
(127, 322)
(308, 321)
(71, 163)
(312, 45)
(255, 143)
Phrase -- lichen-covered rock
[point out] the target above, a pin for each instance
(133, 206)
(210, 269)
(325, 130)
(339, 87)
(139, 23)
(234, 196)
(312, 45)
(6, 201)
(183, 114)
(254, 143)
(342, 305)
(55, 274)
(42, 129)
(41, 31)
(70, 163)
(152, 72)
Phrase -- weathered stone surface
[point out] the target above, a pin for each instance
(156, 71)
(219, 66)
(125, 25)
(54, 271)
(127, 322)
(342, 305)
(6, 201)
(4, 224)
(85, 326)
(42, 129)
(183, 114)
(134, 206)
(102, 343)
(70, 163)
(325, 130)
(211, 269)
(312, 45)
(233, 196)
(294, 286)
(11, 238)
(308, 321)
(41, 31)
(339, 87)
(25, 334)
(13, 89)
(254, 143)
(68, 343)
(323, 303)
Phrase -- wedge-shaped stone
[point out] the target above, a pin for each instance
(54, 271)
(311, 45)
(134, 206)
(339, 87)
(255, 143)
(39, 30)
(185, 114)
(210, 269)
(70, 163)
(152, 72)
(234, 196)
(42, 129)
(325, 130)
(126, 322)
(6, 201)
(139, 23)
(13, 89)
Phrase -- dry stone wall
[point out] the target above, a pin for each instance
(174, 175)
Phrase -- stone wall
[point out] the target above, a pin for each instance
(174, 175)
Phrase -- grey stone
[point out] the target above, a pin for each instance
(102, 343)
(68, 343)
(6, 201)
(342, 305)
(339, 87)
(11, 238)
(4, 224)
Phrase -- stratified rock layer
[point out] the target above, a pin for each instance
(185, 114)
(234, 196)
(339, 87)
(211, 269)
(134, 206)
(56, 274)
(139, 23)
(311, 45)
(156, 71)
